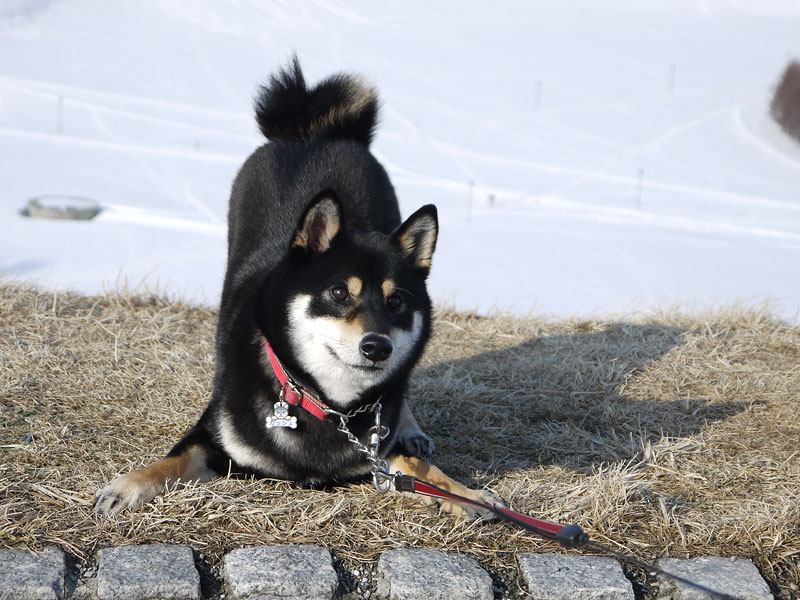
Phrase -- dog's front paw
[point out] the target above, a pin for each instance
(418, 444)
(126, 491)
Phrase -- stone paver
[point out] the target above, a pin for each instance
(735, 576)
(28, 576)
(306, 573)
(559, 577)
(303, 572)
(141, 572)
(431, 575)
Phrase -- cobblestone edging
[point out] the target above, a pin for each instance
(306, 572)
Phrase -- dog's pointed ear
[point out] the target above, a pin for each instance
(417, 238)
(320, 224)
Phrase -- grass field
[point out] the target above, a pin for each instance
(665, 434)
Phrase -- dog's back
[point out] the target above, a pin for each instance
(319, 139)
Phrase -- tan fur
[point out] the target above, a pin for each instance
(352, 327)
(354, 285)
(420, 241)
(325, 209)
(389, 287)
(141, 486)
(425, 471)
(358, 97)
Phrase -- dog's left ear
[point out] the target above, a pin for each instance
(417, 238)
(321, 222)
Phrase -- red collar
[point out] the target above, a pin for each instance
(294, 393)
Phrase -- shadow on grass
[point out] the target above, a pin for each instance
(574, 400)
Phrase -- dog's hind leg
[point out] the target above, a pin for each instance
(425, 471)
(189, 463)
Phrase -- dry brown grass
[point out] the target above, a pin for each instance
(670, 434)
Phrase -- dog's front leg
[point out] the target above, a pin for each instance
(425, 471)
(411, 437)
(141, 486)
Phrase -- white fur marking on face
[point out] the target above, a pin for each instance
(405, 341)
(329, 350)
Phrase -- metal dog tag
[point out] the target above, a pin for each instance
(280, 416)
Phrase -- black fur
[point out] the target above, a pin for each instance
(320, 264)
(318, 150)
(339, 107)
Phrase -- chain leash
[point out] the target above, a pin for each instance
(377, 433)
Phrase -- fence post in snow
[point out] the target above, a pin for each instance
(538, 94)
(673, 71)
(60, 115)
(641, 189)
(471, 197)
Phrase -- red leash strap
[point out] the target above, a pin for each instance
(568, 536)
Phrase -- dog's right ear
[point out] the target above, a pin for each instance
(321, 222)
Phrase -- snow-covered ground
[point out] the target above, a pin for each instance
(585, 156)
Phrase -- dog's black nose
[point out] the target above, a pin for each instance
(376, 347)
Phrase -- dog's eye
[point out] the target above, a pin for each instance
(394, 301)
(340, 294)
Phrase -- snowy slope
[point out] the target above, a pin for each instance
(619, 152)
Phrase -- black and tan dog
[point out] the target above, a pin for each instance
(324, 308)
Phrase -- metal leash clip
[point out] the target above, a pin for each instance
(381, 477)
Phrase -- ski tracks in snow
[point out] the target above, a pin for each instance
(732, 215)
(187, 120)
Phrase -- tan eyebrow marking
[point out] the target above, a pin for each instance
(389, 287)
(354, 284)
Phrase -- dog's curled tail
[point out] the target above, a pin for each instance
(341, 106)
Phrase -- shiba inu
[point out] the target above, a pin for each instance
(324, 311)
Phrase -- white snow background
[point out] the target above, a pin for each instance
(586, 156)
